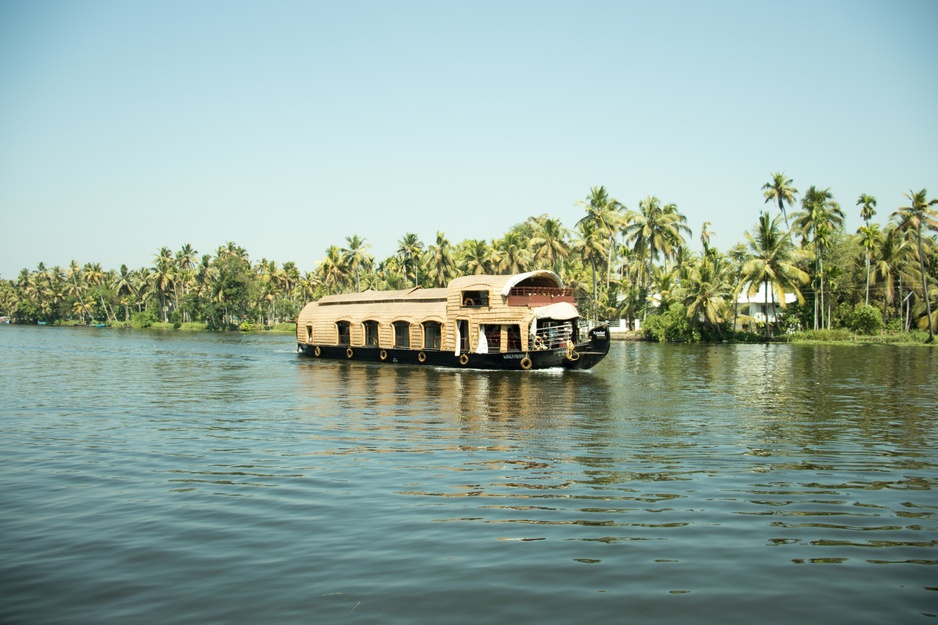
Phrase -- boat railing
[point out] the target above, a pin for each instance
(539, 295)
(551, 291)
(554, 337)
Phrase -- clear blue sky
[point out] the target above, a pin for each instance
(288, 126)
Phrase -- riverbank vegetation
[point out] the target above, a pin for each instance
(642, 268)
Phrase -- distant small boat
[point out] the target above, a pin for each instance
(523, 321)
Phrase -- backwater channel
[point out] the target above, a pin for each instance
(164, 477)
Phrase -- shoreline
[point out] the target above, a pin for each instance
(289, 329)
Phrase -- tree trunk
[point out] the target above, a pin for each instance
(921, 262)
(867, 278)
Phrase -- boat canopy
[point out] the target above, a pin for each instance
(560, 311)
(535, 278)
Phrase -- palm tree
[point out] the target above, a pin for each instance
(77, 287)
(779, 188)
(705, 234)
(475, 256)
(707, 291)
(869, 238)
(590, 244)
(915, 218)
(95, 277)
(354, 257)
(440, 257)
(819, 218)
(655, 231)
(163, 277)
(186, 261)
(890, 259)
(549, 242)
(409, 249)
(125, 288)
(512, 252)
(773, 262)
(331, 269)
(867, 204)
(605, 214)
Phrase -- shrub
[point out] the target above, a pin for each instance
(865, 319)
(671, 325)
(144, 319)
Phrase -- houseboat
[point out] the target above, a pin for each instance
(522, 321)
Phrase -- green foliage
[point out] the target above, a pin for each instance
(616, 261)
(176, 318)
(144, 319)
(822, 336)
(865, 319)
(671, 326)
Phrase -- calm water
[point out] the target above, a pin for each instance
(175, 478)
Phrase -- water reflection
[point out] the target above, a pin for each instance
(661, 442)
(461, 398)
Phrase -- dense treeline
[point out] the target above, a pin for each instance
(627, 264)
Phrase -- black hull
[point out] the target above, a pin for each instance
(585, 355)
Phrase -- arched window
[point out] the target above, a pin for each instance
(343, 330)
(401, 334)
(371, 333)
(432, 335)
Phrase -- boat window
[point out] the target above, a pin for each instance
(309, 333)
(343, 328)
(475, 299)
(493, 337)
(371, 333)
(401, 334)
(432, 335)
(462, 335)
(513, 338)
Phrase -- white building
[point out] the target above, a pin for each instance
(760, 306)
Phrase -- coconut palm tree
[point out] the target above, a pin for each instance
(355, 258)
(913, 219)
(819, 218)
(95, 276)
(409, 249)
(77, 287)
(512, 252)
(590, 244)
(890, 260)
(440, 258)
(658, 230)
(707, 291)
(773, 262)
(549, 242)
(125, 289)
(780, 189)
(473, 257)
(163, 276)
(332, 270)
(705, 234)
(655, 231)
(605, 214)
